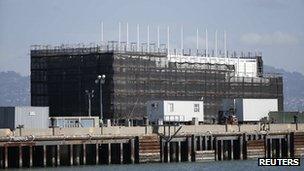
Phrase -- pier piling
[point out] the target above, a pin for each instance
(71, 155)
(31, 156)
(121, 153)
(84, 154)
(97, 153)
(5, 157)
(189, 141)
(58, 155)
(44, 156)
(109, 153)
(20, 156)
(132, 144)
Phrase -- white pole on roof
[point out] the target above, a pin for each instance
(225, 43)
(137, 37)
(157, 37)
(196, 39)
(148, 38)
(101, 31)
(168, 40)
(119, 29)
(206, 34)
(215, 41)
(127, 35)
(182, 40)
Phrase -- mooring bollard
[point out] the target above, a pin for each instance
(194, 121)
(108, 122)
(127, 123)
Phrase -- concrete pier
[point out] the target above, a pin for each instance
(171, 146)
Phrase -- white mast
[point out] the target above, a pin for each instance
(127, 35)
(168, 40)
(206, 32)
(148, 38)
(182, 40)
(196, 39)
(215, 54)
(137, 37)
(157, 37)
(101, 31)
(225, 43)
(119, 29)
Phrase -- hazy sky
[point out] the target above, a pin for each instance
(274, 27)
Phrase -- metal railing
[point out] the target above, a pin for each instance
(115, 46)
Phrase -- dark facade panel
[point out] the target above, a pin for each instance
(7, 117)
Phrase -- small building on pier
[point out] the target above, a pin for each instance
(249, 109)
(24, 117)
(76, 121)
(175, 110)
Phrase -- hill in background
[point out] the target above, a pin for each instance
(293, 88)
(15, 89)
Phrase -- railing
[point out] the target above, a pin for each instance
(272, 75)
(174, 118)
(142, 48)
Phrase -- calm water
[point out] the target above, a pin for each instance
(245, 165)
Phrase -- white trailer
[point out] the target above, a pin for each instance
(250, 109)
(175, 111)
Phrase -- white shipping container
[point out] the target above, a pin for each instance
(28, 116)
(177, 111)
(251, 109)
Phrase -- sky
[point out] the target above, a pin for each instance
(273, 27)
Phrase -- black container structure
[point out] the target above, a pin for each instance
(60, 76)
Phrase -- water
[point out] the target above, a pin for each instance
(242, 165)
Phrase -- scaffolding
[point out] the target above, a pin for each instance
(60, 76)
(151, 47)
